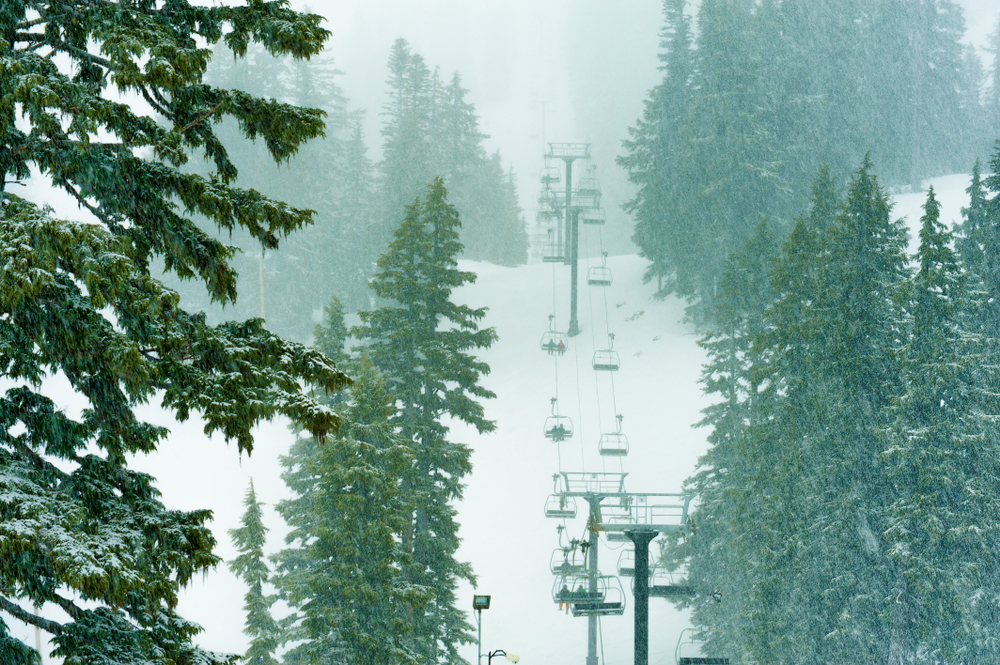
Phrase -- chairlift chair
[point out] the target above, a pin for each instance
(599, 276)
(558, 428)
(549, 176)
(567, 561)
(612, 601)
(575, 588)
(665, 583)
(553, 251)
(614, 444)
(560, 506)
(554, 342)
(593, 216)
(606, 360)
(689, 652)
(588, 187)
(626, 562)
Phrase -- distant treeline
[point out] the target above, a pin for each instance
(761, 93)
(430, 130)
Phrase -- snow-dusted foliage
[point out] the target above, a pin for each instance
(849, 500)
(81, 534)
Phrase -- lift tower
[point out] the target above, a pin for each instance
(569, 152)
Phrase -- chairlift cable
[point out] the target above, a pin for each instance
(593, 339)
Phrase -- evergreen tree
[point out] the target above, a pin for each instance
(793, 490)
(735, 130)
(260, 626)
(285, 285)
(980, 245)
(422, 343)
(79, 529)
(733, 476)
(942, 462)
(656, 159)
(432, 129)
(341, 573)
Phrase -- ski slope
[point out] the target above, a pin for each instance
(506, 536)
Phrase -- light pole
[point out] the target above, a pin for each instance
(480, 603)
(512, 657)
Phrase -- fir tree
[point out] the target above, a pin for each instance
(341, 573)
(943, 462)
(79, 529)
(422, 343)
(260, 626)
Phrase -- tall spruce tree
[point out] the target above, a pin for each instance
(794, 487)
(249, 540)
(423, 345)
(79, 529)
(943, 462)
(980, 242)
(342, 570)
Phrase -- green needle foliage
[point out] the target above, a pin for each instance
(249, 540)
(80, 530)
(423, 345)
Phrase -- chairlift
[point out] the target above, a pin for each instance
(553, 251)
(549, 176)
(607, 360)
(594, 216)
(567, 561)
(626, 562)
(580, 587)
(560, 506)
(689, 652)
(614, 444)
(600, 275)
(665, 582)
(557, 428)
(612, 602)
(588, 185)
(554, 342)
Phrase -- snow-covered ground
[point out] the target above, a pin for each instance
(506, 535)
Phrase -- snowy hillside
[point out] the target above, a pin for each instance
(506, 535)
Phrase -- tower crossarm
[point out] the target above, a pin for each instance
(568, 151)
(661, 513)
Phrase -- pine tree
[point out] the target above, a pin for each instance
(79, 529)
(422, 343)
(432, 129)
(943, 462)
(656, 158)
(981, 242)
(793, 490)
(249, 540)
(341, 573)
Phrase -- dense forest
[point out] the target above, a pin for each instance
(846, 505)
(756, 96)
(429, 130)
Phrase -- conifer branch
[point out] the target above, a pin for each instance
(20, 614)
